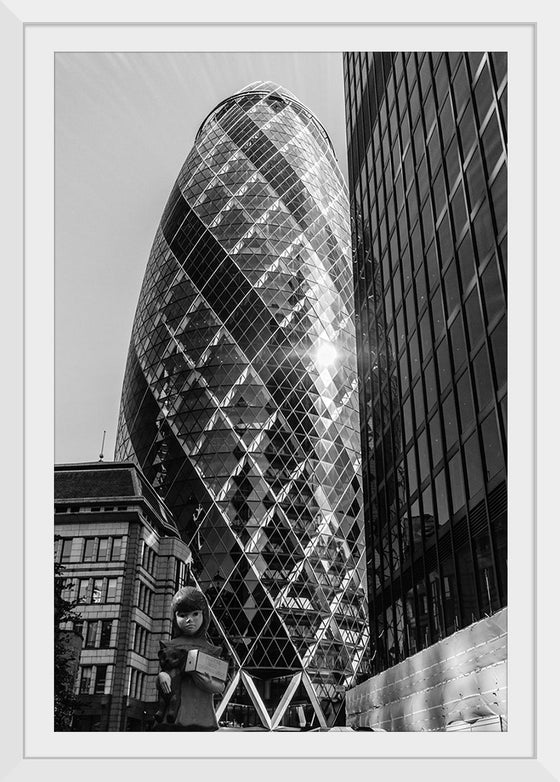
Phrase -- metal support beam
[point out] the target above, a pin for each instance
(314, 700)
(257, 701)
(227, 695)
(286, 698)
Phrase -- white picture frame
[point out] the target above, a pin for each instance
(31, 33)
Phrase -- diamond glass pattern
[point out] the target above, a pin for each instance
(232, 406)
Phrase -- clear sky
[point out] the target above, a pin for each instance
(124, 123)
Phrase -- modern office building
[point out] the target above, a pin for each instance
(123, 559)
(240, 403)
(427, 151)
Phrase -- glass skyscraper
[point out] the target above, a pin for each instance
(427, 155)
(240, 397)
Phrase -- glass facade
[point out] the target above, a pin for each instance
(427, 156)
(240, 397)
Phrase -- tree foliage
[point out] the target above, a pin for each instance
(65, 701)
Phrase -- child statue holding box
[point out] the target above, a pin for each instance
(186, 699)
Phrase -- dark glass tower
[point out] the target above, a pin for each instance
(427, 156)
(240, 393)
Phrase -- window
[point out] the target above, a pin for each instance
(435, 439)
(492, 447)
(89, 550)
(181, 575)
(474, 319)
(441, 498)
(430, 380)
(105, 635)
(83, 589)
(483, 378)
(91, 634)
(464, 397)
(499, 351)
(148, 557)
(450, 422)
(117, 548)
(103, 550)
(136, 686)
(144, 598)
(493, 297)
(100, 679)
(68, 589)
(140, 639)
(111, 590)
(456, 481)
(458, 344)
(66, 550)
(97, 590)
(444, 366)
(85, 679)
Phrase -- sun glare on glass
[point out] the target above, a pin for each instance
(326, 354)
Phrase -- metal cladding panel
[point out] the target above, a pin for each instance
(240, 394)
(461, 678)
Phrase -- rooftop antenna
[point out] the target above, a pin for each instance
(102, 446)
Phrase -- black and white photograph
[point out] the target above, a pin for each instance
(281, 322)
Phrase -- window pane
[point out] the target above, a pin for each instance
(411, 470)
(96, 592)
(451, 284)
(467, 130)
(458, 344)
(491, 286)
(66, 550)
(83, 590)
(100, 679)
(91, 633)
(423, 460)
(474, 319)
(492, 143)
(441, 498)
(418, 404)
(499, 351)
(89, 550)
(414, 355)
(466, 261)
(483, 378)
(430, 381)
(117, 545)
(432, 267)
(435, 439)
(457, 484)
(111, 590)
(103, 549)
(492, 448)
(459, 211)
(437, 314)
(474, 465)
(499, 198)
(426, 335)
(85, 680)
(466, 406)
(467, 586)
(407, 416)
(450, 422)
(105, 636)
(475, 178)
(444, 366)
(483, 231)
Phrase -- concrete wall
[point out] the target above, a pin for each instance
(460, 679)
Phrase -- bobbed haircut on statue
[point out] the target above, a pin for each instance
(190, 599)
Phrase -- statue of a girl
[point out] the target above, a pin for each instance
(187, 698)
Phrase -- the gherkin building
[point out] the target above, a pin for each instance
(240, 400)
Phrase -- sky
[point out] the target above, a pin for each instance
(124, 123)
